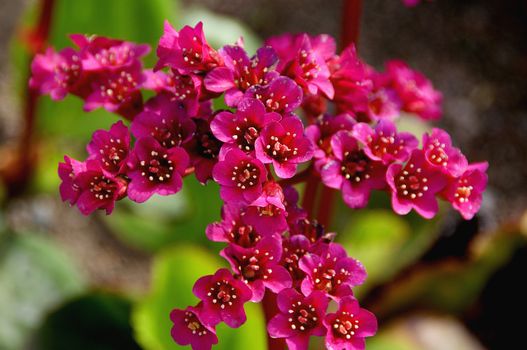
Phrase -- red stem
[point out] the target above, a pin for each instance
(350, 34)
(270, 309)
(310, 194)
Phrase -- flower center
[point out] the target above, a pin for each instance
(190, 55)
(355, 166)
(102, 187)
(291, 259)
(253, 267)
(208, 146)
(66, 74)
(345, 326)
(245, 175)
(463, 191)
(194, 325)
(245, 136)
(281, 149)
(158, 168)
(119, 87)
(436, 154)
(410, 183)
(385, 144)
(183, 86)
(113, 155)
(114, 56)
(244, 236)
(302, 317)
(222, 294)
(326, 278)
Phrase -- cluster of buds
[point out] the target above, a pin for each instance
(253, 149)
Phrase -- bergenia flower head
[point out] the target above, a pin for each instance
(188, 329)
(347, 328)
(415, 185)
(154, 169)
(98, 190)
(240, 177)
(416, 92)
(242, 128)
(165, 120)
(68, 171)
(352, 171)
(234, 229)
(284, 145)
(222, 298)
(187, 50)
(101, 53)
(304, 62)
(56, 73)
(383, 143)
(331, 271)
(241, 72)
(440, 153)
(299, 318)
(465, 192)
(259, 267)
(111, 148)
(282, 95)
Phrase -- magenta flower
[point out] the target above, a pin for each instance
(223, 298)
(331, 271)
(56, 73)
(465, 193)
(415, 185)
(282, 95)
(268, 218)
(234, 229)
(204, 149)
(164, 120)
(240, 177)
(243, 127)
(383, 100)
(293, 249)
(186, 50)
(304, 60)
(241, 72)
(384, 143)
(97, 189)
(352, 171)
(111, 148)
(321, 132)
(284, 145)
(259, 267)
(68, 171)
(351, 82)
(347, 328)
(188, 329)
(154, 169)
(440, 153)
(117, 91)
(299, 318)
(415, 91)
(100, 53)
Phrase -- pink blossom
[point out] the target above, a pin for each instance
(165, 120)
(241, 72)
(384, 143)
(465, 192)
(154, 169)
(222, 298)
(440, 153)
(284, 145)
(243, 127)
(188, 329)
(259, 267)
(204, 149)
(347, 328)
(111, 148)
(282, 95)
(68, 171)
(352, 171)
(415, 185)
(299, 318)
(240, 177)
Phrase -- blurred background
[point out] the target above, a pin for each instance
(74, 282)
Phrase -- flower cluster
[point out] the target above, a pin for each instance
(255, 149)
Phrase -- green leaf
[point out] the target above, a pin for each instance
(162, 221)
(94, 321)
(35, 276)
(174, 274)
